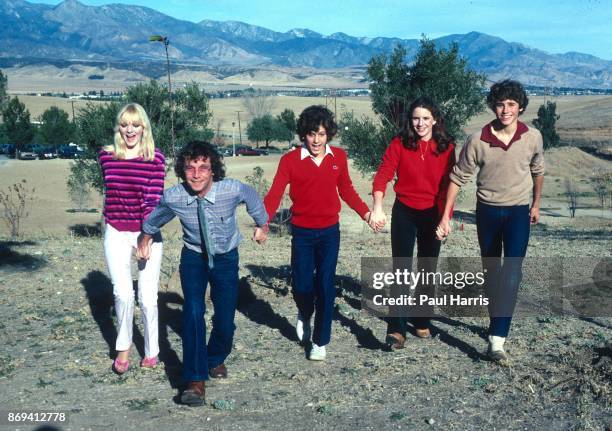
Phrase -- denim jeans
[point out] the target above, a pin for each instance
(409, 225)
(502, 228)
(314, 255)
(195, 274)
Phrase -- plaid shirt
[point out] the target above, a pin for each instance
(220, 205)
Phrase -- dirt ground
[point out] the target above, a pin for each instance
(57, 334)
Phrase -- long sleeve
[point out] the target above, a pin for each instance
(348, 193)
(441, 198)
(161, 215)
(388, 166)
(254, 204)
(279, 184)
(467, 163)
(537, 161)
(152, 192)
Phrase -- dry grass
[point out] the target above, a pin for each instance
(582, 117)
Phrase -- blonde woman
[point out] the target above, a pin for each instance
(133, 172)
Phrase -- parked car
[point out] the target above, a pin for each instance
(69, 151)
(250, 151)
(46, 152)
(26, 153)
(274, 150)
(225, 151)
(8, 149)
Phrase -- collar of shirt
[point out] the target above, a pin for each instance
(305, 153)
(210, 196)
(487, 135)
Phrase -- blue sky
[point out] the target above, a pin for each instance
(554, 26)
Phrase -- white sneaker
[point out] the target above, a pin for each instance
(317, 353)
(496, 351)
(302, 329)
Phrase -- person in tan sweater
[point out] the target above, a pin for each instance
(509, 157)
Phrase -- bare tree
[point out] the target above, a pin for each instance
(14, 202)
(218, 139)
(571, 195)
(258, 104)
(602, 179)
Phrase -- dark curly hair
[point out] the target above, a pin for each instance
(409, 136)
(314, 116)
(508, 89)
(195, 150)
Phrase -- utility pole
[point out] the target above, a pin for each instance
(166, 42)
(233, 139)
(72, 103)
(336, 106)
(239, 128)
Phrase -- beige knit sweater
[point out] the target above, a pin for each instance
(505, 174)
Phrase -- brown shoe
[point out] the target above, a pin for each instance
(423, 333)
(395, 341)
(194, 395)
(219, 372)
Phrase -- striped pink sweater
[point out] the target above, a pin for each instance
(132, 189)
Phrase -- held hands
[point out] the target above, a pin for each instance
(144, 246)
(443, 229)
(260, 234)
(376, 219)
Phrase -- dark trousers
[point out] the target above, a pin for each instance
(195, 274)
(314, 255)
(502, 228)
(407, 226)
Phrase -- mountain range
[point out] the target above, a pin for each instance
(76, 32)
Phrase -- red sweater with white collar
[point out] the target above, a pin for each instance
(314, 190)
(421, 181)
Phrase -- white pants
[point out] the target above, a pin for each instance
(118, 249)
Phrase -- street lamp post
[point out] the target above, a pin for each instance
(166, 42)
(239, 128)
(233, 139)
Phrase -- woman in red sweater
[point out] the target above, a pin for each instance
(421, 156)
(133, 172)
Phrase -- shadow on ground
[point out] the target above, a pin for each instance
(86, 230)
(99, 290)
(569, 234)
(464, 217)
(170, 318)
(13, 260)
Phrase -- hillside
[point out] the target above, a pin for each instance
(72, 31)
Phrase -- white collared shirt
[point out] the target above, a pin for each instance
(305, 153)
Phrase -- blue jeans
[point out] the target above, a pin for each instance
(198, 357)
(314, 255)
(502, 228)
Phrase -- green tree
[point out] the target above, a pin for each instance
(18, 128)
(258, 181)
(56, 128)
(545, 123)
(440, 74)
(191, 118)
(95, 125)
(3, 86)
(268, 128)
(287, 117)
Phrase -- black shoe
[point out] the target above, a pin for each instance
(395, 341)
(194, 395)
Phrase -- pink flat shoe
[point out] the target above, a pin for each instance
(120, 367)
(149, 362)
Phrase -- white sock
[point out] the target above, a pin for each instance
(496, 343)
